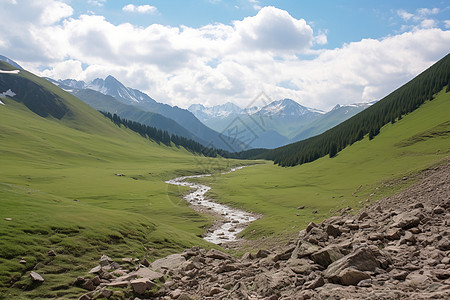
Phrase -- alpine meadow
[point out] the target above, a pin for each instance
(252, 152)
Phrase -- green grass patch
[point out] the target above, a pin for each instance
(361, 173)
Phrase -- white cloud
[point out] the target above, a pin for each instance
(218, 62)
(274, 29)
(54, 12)
(447, 23)
(405, 15)
(99, 3)
(143, 9)
(421, 18)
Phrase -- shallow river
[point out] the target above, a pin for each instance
(234, 220)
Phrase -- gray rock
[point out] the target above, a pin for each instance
(36, 277)
(318, 282)
(96, 269)
(438, 210)
(262, 253)
(361, 260)
(141, 285)
(393, 233)
(399, 275)
(147, 273)
(333, 231)
(326, 256)
(310, 226)
(303, 249)
(105, 260)
(168, 263)
(216, 254)
(407, 220)
(352, 276)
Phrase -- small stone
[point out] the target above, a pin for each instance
(8, 219)
(310, 226)
(36, 277)
(141, 285)
(51, 253)
(95, 269)
(88, 285)
(175, 294)
(333, 231)
(145, 262)
(393, 233)
(22, 261)
(96, 280)
(262, 253)
(106, 293)
(105, 260)
(318, 282)
(301, 207)
(438, 210)
(86, 296)
(352, 276)
(216, 254)
(399, 275)
(365, 283)
(216, 290)
(362, 216)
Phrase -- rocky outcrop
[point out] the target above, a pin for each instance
(396, 248)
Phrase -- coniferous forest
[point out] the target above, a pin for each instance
(162, 136)
(369, 122)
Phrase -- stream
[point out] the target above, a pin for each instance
(233, 220)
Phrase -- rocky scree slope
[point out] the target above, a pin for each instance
(395, 248)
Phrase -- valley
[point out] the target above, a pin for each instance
(75, 186)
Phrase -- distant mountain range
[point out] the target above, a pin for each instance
(135, 105)
(225, 126)
(277, 123)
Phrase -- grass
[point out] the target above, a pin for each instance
(58, 186)
(359, 174)
(58, 190)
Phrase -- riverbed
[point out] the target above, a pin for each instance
(231, 221)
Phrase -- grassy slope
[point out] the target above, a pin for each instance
(326, 185)
(46, 164)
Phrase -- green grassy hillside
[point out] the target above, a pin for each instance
(391, 108)
(365, 170)
(58, 190)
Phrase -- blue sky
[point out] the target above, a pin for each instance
(344, 20)
(318, 53)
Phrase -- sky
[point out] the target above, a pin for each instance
(318, 53)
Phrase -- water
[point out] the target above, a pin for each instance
(235, 220)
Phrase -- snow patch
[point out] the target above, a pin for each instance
(9, 72)
(8, 93)
(2, 102)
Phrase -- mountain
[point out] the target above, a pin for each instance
(275, 124)
(108, 103)
(330, 119)
(369, 122)
(193, 127)
(60, 190)
(10, 61)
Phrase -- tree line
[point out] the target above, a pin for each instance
(163, 137)
(369, 122)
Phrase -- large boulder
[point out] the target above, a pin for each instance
(303, 249)
(362, 259)
(149, 274)
(326, 256)
(141, 285)
(170, 262)
(216, 254)
(407, 219)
